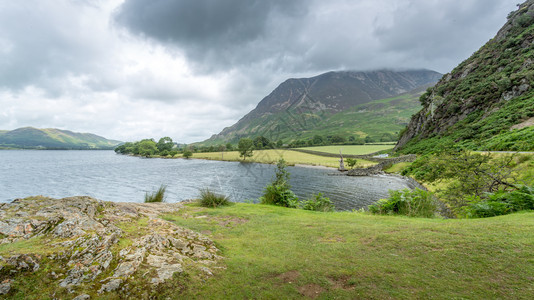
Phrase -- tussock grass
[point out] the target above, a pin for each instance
(211, 199)
(157, 196)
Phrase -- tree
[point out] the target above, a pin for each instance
(165, 143)
(317, 140)
(187, 153)
(467, 174)
(261, 142)
(245, 148)
(337, 139)
(229, 147)
(146, 147)
(125, 148)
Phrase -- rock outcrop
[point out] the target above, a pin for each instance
(486, 95)
(102, 245)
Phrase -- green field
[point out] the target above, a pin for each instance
(279, 253)
(350, 149)
(272, 156)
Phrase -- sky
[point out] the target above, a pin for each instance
(134, 69)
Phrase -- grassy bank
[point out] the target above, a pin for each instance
(278, 253)
(272, 156)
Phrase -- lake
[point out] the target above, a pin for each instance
(111, 177)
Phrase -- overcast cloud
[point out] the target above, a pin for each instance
(186, 69)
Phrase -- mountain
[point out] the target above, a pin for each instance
(487, 102)
(50, 138)
(299, 108)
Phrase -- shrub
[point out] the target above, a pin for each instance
(486, 209)
(211, 199)
(278, 192)
(279, 195)
(412, 203)
(318, 203)
(157, 196)
(351, 162)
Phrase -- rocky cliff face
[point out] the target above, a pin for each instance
(327, 93)
(486, 95)
(86, 247)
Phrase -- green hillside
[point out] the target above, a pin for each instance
(334, 103)
(380, 119)
(487, 102)
(50, 138)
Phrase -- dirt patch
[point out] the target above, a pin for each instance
(527, 123)
(311, 290)
(228, 221)
(344, 283)
(332, 239)
(289, 277)
(367, 240)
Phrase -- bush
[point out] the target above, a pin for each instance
(318, 203)
(211, 199)
(486, 209)
(157, 196)
(501, 203)
(412, 203)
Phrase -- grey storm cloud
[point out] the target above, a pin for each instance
(296, 36)
(219, 33)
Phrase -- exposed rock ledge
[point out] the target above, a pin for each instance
(103, 245)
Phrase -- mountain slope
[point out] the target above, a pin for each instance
(51, 138)
(487, 102)
(299, 106)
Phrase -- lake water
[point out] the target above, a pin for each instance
(108, 176)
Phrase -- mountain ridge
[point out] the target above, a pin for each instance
(302, 103)
(52, 138)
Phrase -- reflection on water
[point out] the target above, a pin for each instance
(111, 177)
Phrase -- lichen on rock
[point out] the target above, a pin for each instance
(97, 244)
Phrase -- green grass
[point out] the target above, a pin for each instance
(275, 253)
(350, 149)
(272, 156)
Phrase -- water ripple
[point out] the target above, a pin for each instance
(107, 176)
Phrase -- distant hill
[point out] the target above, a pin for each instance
(300, 108)
(50, 138)
(487, 102)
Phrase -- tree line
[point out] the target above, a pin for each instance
(166, 147)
